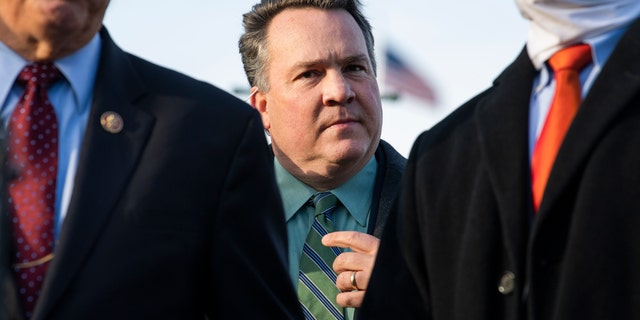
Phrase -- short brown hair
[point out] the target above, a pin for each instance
(252, 43)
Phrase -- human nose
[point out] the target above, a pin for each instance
(337, 90)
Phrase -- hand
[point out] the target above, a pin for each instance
(364, 249)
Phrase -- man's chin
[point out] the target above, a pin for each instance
(349, 151)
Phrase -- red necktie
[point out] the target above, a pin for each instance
(566, 65)
(33, 154)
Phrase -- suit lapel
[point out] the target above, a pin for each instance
(615, 87)
(387, 186)
(502, 118)
(105, 163)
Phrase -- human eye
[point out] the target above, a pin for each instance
(355, 68)
(356, 65)
(309, 74)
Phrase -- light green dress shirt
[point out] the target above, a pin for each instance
(355, 195)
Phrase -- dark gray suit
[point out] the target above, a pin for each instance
(175, 217)
(466, 228)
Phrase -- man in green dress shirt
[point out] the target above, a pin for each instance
(313, 76)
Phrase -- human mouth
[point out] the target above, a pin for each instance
(343, 123)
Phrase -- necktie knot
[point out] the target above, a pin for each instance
(574, 58)
(39, 73)
(324, 203)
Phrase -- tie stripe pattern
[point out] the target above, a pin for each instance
(566, 65)
(317, 281)
(33, 155)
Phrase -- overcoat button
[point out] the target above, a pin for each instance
(507, 283)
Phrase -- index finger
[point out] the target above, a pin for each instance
(356, 241)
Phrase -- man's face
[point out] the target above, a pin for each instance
(49, 29)
(323, 109)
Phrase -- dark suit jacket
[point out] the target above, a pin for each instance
(176, 216)
(467, 231)
(391, 166)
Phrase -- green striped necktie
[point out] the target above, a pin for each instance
(317, 289)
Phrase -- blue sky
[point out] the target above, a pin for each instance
(459, 46)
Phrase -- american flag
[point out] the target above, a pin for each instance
(403, 79)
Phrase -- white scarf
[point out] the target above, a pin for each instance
(556, 24)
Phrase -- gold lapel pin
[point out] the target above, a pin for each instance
(111, 122)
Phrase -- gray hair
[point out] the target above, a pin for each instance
(253, 42)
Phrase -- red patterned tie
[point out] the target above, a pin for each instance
(33, 153)
(566, 65)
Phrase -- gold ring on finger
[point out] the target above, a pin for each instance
(354, 284)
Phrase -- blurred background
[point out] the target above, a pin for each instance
(450, 49)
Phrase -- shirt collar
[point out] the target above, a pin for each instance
(79, 69)
(10, 65)
(356, 194)
(601, 48)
